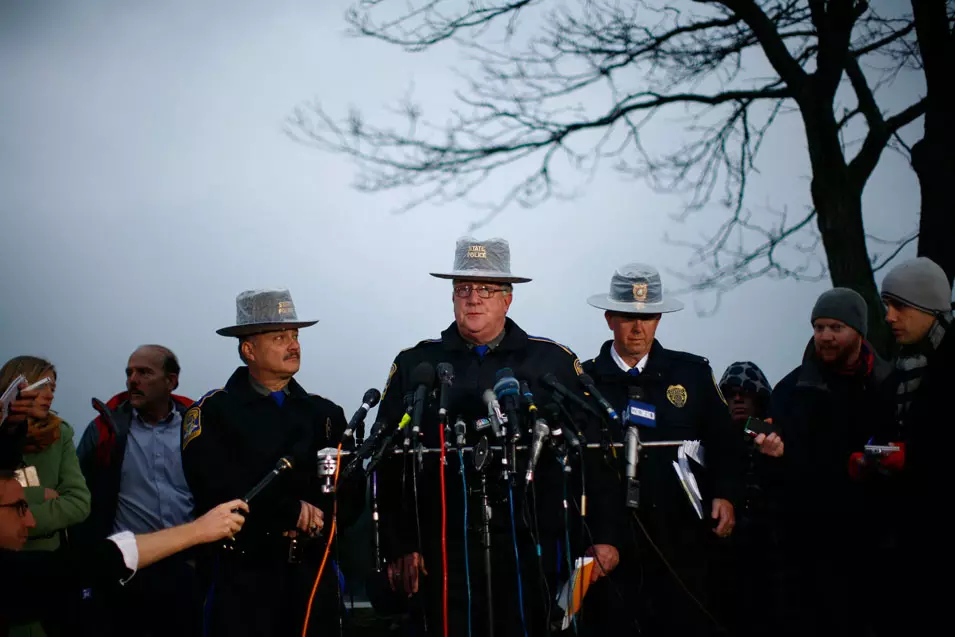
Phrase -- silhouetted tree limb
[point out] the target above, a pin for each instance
(557, 89)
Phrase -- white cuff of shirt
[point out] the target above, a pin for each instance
(126, 542)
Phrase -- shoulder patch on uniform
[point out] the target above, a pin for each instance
(191, 425)
(198, 403)
(541, 339)
(391, 374)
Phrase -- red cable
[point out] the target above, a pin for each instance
(444, 537)
(328, 547)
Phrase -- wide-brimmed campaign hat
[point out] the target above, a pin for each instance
(636, 288)
(488, 260)
(258, 311)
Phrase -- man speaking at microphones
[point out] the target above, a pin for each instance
(665, 395)
(232, 439)
(490, 355)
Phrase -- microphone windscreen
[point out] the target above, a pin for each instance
(423, 374)
(445, 372)
(371, 397)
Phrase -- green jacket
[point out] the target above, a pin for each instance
(58, 469)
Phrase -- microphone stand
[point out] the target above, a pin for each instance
(480, 458)
(375, 525)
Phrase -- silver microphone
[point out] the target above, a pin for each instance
(460, 428)
(494, 413)
(631, 442)
(541, 432)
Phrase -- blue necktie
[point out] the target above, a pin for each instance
(481, 350)
(278, 396)
(634, 372)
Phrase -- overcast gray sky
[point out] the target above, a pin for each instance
(145, 180)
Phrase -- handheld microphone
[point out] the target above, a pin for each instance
(508, 392)
(541, 431)
(422, 379)
(460, 429)
(285, 463)
(446, 378)
(368, 401)
(591, 388)
(494, 412)
(551, 381)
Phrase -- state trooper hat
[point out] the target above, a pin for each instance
(636, 288)
(258, 311)
(488, 260)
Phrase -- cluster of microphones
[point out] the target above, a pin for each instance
(551, 424)
(507, 401)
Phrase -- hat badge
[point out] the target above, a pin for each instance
(477, 252)
(640, 292)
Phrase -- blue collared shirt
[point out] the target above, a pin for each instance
(153, 493)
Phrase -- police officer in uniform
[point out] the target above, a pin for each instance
(232, 438)
(634, 369)
(480, 342)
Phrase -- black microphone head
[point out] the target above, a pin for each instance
(445, 373)
(636, 393)
(423, 374)
(371, 397)
(552, 411)
(549, 379)
(586, 380)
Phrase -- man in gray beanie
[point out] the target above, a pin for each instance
(918, 301)
(828, 409)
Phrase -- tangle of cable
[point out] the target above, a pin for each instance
(536, 536)
(517, 558)
(570, 562)
(679, 581)
(328, 546)
(467, 568)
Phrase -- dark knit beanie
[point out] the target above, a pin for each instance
(843, 304)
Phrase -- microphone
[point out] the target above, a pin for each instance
(553, 412)
(551, 381)
(541, 431)
(460, 428)
(588, 384)
(380, 431)
(494, 412)
(284, 464)
(368, 401)
(528, 397)
(446, 378)
(507, 390)
(422, 379)
(631, 442)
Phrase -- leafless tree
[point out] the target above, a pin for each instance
(563, 87)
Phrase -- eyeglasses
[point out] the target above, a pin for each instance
(20, 505)
(483, 291)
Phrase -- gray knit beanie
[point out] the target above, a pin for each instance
(843, 305)
(920, 283)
